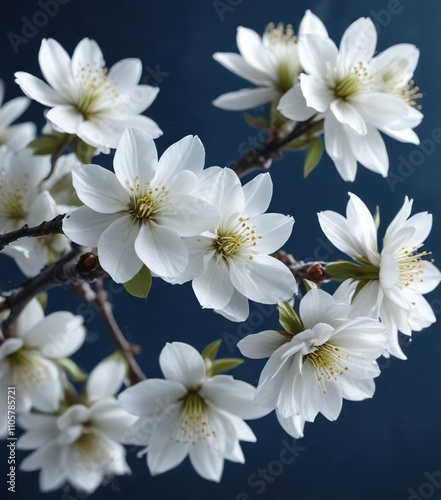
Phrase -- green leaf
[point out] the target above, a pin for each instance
(84, 151)
(224, 365)
(288, 319)
(256, 121)
(139, 286)
(210, 351)
(74, 372)
(49, 144)
(313, 156)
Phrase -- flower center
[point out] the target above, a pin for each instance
(328, 363)
(193, 425)
(391, 83)
(91, 455)
(411, 265)
(12, 197)
(355, 82)
(230, 242)
(95, 88)
(28, 372)
(282, 43)
(149, 205)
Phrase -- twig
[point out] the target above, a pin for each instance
(261, 158)
(99, 299)
(61, 272)
(54, 226)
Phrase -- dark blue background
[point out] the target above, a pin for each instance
(380, 448)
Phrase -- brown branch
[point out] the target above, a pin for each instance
(99, 299)
(260, 158)
(61, 272)
(54, 226)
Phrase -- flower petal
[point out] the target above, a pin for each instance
(245, 98)
(38, 90)
(258, 193)
(105, 379)
(213, 288)
(182, 363)
(237, 64)
(261, 345)
(207, 462)
(126, 73)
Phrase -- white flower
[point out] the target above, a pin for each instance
(27, 360)
(312, 371)
(190, 414)
(82, 445)
(17, 136)
(32, 254)
(395, 279)
(20, 176)
(357, 95)
(140, 214)
(87, 100)
(230, 263)
(59, 184)
(271, 62)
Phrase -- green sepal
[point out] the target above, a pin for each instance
(83, 151)
(289, 319)
(42, 299)
(313, 156)
(210, 351)
(50, 144)
(377, 217)
(309, 285)
(223, 365)
(277, 120)
(139, 286)
(256, 121)
(73, 371)
(343, 270)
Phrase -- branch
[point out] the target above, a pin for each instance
(261, 158)
(61, 272)
(54, 226)
(99, 299)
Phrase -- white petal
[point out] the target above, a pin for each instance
(347, 114)
(85, 226)
(213, 288)
(87, 53)
(293, 105)
(186, 154)
(182, 363)
(358, 43)
(233, 396)
(274, 230)
(258, 193)
(293, 425)
(9, 346)
(138, 99)
(316, 92)
(116, 249)
(207, 462)
(245, 98)
(265, 280)
(99, 189)
(143, 123)
(250, 46)
(371, 151)
(11, 110)
(38, 90)
(261, 345)
(153, 398)
(66, 117)
(379, 109)
(161, 249)
(109, 419)
(135, 159)
(312, 25)
(31, 315)
(237, 309)
(317, 54)
(126, 73)
(55, 65)
(237, 64)
(105, 379)
(312, 306)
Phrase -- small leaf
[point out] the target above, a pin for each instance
(224, 365)
(84, 151)
(139, 285)
(288, 319)
(49, 144)
(256, 121)
(315, 152)
(74, 372)
(309, 285)
(210, 351)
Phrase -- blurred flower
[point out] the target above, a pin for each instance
(231, 263)
(27, 360)
(312, 371)
(271, 62)
(82, 445)
(32, 254)
(20, 176)
(357, 95)
(140, 214)
(390, 284)
(87, 100)
(190, 414)
(17, 136)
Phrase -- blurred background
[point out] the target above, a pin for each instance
(385, 448)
